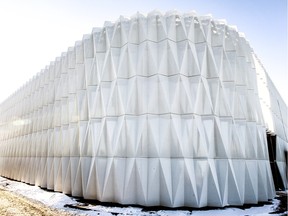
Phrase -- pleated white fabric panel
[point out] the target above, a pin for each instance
(150, 110)
(275, 113)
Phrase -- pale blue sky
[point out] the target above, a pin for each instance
(34, 32)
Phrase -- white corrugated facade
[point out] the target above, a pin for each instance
(165, 110)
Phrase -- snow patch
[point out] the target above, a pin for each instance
(63, 202)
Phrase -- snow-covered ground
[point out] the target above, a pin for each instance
(64, 202)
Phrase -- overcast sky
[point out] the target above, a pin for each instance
(35, 32)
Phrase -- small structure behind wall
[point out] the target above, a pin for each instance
(271, 142)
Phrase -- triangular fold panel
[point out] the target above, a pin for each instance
(132, 59)
(199, 36)
(153, 95)
(203, 102)
(262, 181)
(123, 69)
(44, 173)
(166, 182)
(162, 57)
(130, 181)
(133, 35)
(116, 151)
(76, 179)
(115, 106)
(83, 168)
(231, 58)
(222, 106)
(201, 168)
(187, 96)
(200, 148)
(214, 197)
(104, 139)
(133, 101)
(96, 132)
(121, 143)
(164, 136)
(50, 173)
(218, 56)
(66, 175)
(211, 67)
(109, 68)
(84, 144)
(74, 140)
(178, 188)
(227, 72)
(141, 137)
(251, 182)
(213, 86)
(110, 131)
(57, 174)
(161, 28)
(122, 85)
(153, 138)
(239, 171)
(251, 141)
(162, 100)
(188, 62)
(152, 50)
(172, 59)
(177, 149)
(208, 126)
(119, 169)
(201, 49)
(181, 33)
(108, 187)
(261, 144)
(125, 26)
(100, 165)
(237, 148)
(189, 27)
(169, 93)
(142, 67)
(141, 180)
(171, 27)
(222, 175)
(89, 178)
(190, 191)
(238, 111)
(206, 26)
(229, 91)
(108, 33)
(153, 186)
(234, 196)
(107, 89)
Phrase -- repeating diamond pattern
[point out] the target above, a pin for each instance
(150, 110)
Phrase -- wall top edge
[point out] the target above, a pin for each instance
(155, 13)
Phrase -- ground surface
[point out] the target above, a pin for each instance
(17, 198)
(14, 204)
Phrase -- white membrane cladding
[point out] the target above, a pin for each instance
(275, 113)
(150, 110)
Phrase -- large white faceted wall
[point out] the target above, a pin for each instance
(150, 110)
